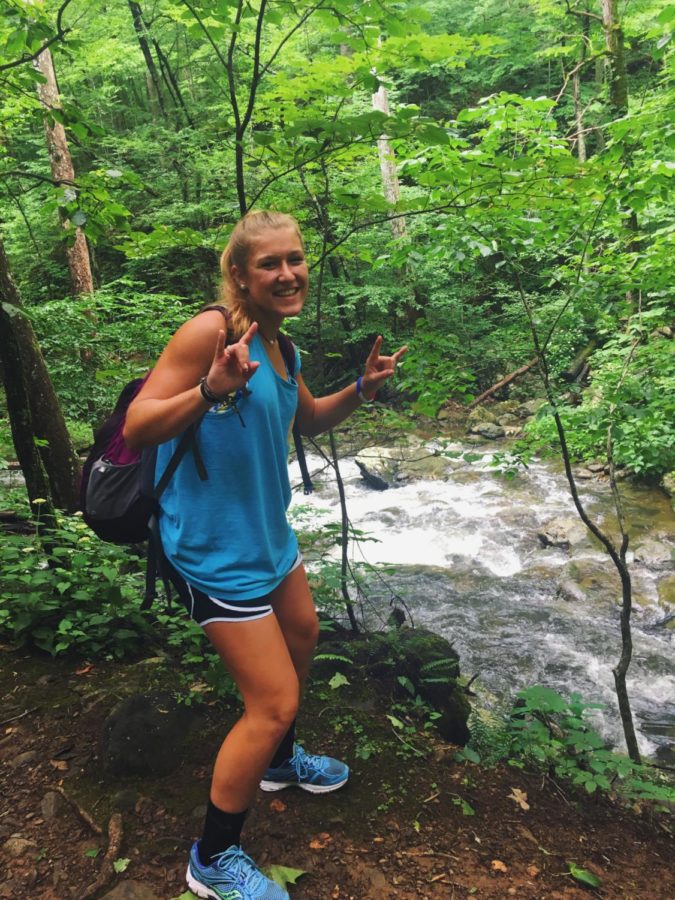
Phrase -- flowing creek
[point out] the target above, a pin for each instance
(469, 565)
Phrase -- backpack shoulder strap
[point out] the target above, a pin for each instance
(287, 348)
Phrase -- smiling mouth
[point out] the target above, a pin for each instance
(287, 292)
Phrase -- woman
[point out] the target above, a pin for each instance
(236, 558)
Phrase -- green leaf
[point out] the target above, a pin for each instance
(584, 876)
(121, 865)
(284, 875)
(93, 852)
(338, 680)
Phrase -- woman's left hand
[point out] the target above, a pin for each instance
(379, 369)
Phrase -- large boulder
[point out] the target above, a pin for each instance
(144, 735)
(654, 554)
(382, 467)
(490, 430)
(426, 663)
(562, 531)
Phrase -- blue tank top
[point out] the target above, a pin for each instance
(229, 535)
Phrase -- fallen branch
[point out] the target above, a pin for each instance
(26, 712)
(82, 813)
(115, 833)
(500, 384)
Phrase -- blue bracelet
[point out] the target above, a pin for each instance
(359, 394)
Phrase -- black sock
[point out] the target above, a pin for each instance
(221, 830)
(285, 749)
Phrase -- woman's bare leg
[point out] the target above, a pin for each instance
(257, 656)
(296, 614)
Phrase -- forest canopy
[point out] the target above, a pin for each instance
(463, 173)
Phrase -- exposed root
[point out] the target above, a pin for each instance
(115, 834)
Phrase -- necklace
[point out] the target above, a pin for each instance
(270, 341)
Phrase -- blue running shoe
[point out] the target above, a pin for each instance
(316, 774)
(232, 876)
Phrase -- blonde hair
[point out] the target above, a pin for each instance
(236, 254)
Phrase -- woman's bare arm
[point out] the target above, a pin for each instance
(171, 400)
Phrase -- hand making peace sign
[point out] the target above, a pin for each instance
(379, 368)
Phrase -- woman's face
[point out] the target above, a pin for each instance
(276, 275)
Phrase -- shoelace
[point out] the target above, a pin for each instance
(302, 761)
(242, 867)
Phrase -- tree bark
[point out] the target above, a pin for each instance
(50, 465)
(154, 81)
(616, 60)
(390, 182)
(63, 173)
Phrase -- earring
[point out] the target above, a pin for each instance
(242, 286)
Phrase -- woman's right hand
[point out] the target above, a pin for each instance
(232, 366)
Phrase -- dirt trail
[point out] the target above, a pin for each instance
(403, 828)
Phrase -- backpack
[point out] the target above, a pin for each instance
(118, 497)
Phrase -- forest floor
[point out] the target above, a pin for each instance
(404, 827)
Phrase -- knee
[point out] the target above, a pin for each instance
(275, 713)
(306, 631)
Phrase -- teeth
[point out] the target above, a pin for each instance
(286, 293)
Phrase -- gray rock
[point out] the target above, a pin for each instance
(480, 414)
(582, 473)
(16, 846)
(668, 483)
(23, 759)
(372, 479)
(130, 890)
(52, 806)
(508, 419)
(569, 590)
(596, 467)
(144, 735)
(654, 554)
(489, 430)
(563, 532)
(530, 408)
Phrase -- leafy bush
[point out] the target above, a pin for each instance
(550, 733)
(639, 402)
(65, 591)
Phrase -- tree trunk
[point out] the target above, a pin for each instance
(63, 173)
(392, 194)
(616, 60)
(390, 183)
(34, 409)
(153, 81)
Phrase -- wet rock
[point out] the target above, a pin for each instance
(478, 415)
(596, 581)
(569, 590)
(372, 479)
(130, 890)
(596, 467)
(563, 531)
(583, 474)
(530, 408)
(508, 419)
(16, 846)
(144, 735)
(654, 554)
(489, 430)
(53, 806)
(23, 759)
(668, 484)
(666, 591)
(382, 467)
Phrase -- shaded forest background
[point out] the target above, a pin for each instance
(462, 173)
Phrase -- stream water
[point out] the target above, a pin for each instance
(469, 565)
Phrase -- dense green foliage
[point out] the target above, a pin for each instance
(176, 118)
